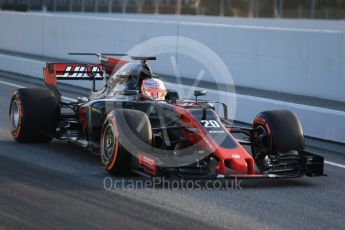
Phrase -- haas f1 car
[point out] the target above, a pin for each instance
(137, 125)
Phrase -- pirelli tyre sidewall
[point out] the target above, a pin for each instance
(121, 141)
(33, 115)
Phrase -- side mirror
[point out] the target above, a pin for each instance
(129, 92)
(198, 93)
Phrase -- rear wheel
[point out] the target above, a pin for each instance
(277, 140)
(125, 133)
(33, 115)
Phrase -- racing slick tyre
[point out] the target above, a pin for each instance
(33, 115)
(277, 134)
(125, 133)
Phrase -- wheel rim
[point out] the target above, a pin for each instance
(261, 131)
(14, 115)
(258, 155)
(108, 143)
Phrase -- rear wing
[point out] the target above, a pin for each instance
(110, 64)
(80, 71)
(71, 71)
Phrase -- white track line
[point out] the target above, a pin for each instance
(11, 84)
(21, 86)
(72, 99)
(335, 164)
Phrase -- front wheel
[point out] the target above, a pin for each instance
(125, 133)
(277, 140)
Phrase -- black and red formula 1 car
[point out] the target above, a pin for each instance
(173, 137)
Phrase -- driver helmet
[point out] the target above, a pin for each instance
(153, 88)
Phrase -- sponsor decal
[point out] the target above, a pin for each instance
(236, 156)
(216, 131)
(210, 123)
(148, 163)
(79, 71)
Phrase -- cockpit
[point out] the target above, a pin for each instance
(129, 77)
(136, 78)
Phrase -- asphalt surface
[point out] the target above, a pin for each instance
(59, 186)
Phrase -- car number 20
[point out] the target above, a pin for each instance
(210, 123)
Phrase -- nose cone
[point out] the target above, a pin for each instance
(238, 163)
(236, 159)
